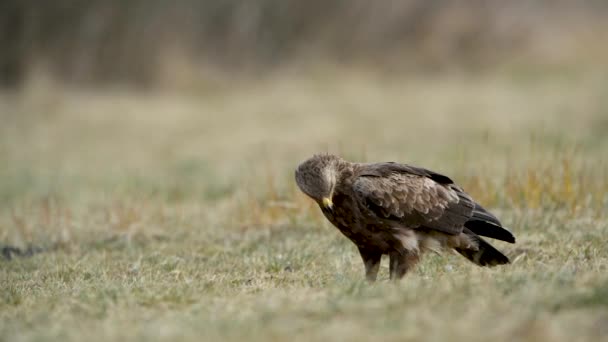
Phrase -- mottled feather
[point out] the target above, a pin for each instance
(412, 199)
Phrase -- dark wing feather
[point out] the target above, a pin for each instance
(485, 224)
(490, 230)
(480, 213)
(413, 197)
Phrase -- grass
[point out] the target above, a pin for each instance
(173, 215)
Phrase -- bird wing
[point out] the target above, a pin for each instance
(412, 197)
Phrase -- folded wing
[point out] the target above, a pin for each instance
(413, 197)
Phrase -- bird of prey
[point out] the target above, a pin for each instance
(401, 211)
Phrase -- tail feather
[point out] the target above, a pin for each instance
(485, 254)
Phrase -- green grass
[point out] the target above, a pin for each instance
(171, 216)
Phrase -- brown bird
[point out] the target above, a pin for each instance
(400, 210)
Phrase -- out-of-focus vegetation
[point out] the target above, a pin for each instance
(147, 42)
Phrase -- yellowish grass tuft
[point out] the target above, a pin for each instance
(566, 184)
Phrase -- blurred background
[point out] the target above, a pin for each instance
(215, 102)
(150, 43)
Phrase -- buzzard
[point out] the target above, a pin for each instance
(400, 210)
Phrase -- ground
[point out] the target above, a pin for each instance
(173, 214)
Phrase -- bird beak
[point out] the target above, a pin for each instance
(327, 203)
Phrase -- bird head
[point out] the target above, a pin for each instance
(317, 177)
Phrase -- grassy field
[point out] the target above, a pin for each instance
(169, 215)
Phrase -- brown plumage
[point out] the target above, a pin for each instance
(400, 210)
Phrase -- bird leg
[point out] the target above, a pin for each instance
(400, 263)
(371, 260)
